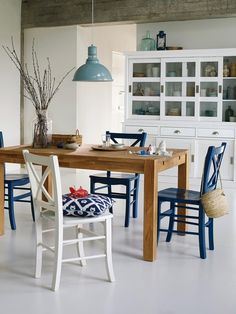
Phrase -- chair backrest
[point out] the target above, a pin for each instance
(1, 140)
(41, 197)
(211, 168)
(138, 138)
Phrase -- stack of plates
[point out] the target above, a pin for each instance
(117, 145)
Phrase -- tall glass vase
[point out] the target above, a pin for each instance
(42, 130)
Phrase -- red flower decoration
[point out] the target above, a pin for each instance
(78, 193)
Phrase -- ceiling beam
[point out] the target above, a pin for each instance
(44, 13)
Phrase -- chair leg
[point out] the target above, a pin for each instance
(158, 220)
(11, 207)
(108, 249)
(32, 208)
(127, 206)
(211, 233)
(39, 249)
(135, 199)
(57, 260)
(171, 222)
(202, 244)
(80, 245)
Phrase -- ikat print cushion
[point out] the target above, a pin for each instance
(88, 206)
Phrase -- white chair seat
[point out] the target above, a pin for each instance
(85, 220)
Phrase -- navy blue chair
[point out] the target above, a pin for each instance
(191, 201)
(18, 183)
(106, 181)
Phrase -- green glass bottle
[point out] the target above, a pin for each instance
(228, 113)
(147, 43)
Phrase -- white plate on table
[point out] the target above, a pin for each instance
(108, 148)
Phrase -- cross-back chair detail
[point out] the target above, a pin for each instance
(104, 183)
(49, 207)
(17, 189)
(190, 200)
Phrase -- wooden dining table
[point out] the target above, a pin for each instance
(117, 160)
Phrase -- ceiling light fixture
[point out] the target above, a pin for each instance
(92, 70)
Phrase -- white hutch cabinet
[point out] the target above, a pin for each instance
(188, 99)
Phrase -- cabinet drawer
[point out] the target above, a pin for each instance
(148, 129)
(166, 131)
(216, 133)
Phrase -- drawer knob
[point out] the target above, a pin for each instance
(215, 133)
(140, 130)
(177, 131)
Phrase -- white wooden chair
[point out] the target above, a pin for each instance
(49, 207)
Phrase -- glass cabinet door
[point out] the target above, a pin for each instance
(178, 88)
(144, 89)
(210, 88)
(229, 89)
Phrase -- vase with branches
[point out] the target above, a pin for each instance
(39, 88)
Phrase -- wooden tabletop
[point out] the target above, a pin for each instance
(86, 158)
(122, 161)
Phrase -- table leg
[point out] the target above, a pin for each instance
(183, 183)
(150, 211)
(1, 198)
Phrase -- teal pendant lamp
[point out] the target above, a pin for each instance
(92, 70)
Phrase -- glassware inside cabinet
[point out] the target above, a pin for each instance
(209, 69)
(190, 89)
(174, 69)
(146, 69)
(173, 108)
(208, 109)
(229, 111)
(190, 109)
(180, 108)
(229, 88)
(208, 89)
(146, 89)
(191, 69)
(147, 108)
(173, 89)
(229, 66)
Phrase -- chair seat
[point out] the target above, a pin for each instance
(178, 195)
(74, 221)
(83, 220)
(24, 178)
(115, 175)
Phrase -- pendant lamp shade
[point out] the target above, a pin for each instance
(92, 70)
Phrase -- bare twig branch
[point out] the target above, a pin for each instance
(40, 87)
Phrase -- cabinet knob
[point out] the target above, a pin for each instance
(215, 133)
(177, 131)
(140, 130)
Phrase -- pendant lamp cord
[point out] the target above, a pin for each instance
(92, 18)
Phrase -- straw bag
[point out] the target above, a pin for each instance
(215, 203)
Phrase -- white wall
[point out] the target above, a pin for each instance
(215, 33)
(85, 105)
(59, 45)
(9, 77)
(94, 100)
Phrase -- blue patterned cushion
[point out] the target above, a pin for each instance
(88, 206)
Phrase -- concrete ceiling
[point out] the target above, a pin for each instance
(44, 13)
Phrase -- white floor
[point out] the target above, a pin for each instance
(177, 282)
